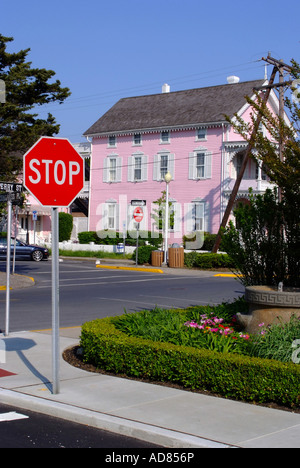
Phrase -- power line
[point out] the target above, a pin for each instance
(146, 87)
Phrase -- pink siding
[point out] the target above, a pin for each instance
(181, 189)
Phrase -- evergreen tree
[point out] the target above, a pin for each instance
(26, 89)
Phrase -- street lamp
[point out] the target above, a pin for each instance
(168, 178)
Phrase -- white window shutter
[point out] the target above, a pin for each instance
(130, 171)
(171, 165)
(208, 162)
(177, 218)
(104, 216)
(192, 166)
(117, 218)
(105, 170)
(189, 218)
(145, 167)
(119, 169)
(156, 167)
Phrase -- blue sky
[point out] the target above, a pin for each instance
(104, 50)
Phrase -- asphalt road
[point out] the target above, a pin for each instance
(87, 292)
(26, 429)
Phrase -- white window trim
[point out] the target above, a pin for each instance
(157, 165)
(109, 145)
(207, 164)
(133, 140)
(131, 167)
(105, 215)
(190, 219)
(165, 142)
(106, 169)
(204, 138)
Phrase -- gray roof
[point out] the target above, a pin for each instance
(175, 109)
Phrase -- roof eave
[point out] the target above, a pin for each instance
(174, 128)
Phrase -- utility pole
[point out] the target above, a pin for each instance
(279, 66)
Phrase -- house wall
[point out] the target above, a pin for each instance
(182, 190)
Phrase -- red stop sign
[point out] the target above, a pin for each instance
(53, 172)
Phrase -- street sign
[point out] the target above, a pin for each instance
(10, 187)
(53, 172)
(138, 202)
(138, 214)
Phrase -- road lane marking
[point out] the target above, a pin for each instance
(12, 416)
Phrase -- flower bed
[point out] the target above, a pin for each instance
(226, 373)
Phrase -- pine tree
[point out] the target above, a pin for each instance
(26, 89)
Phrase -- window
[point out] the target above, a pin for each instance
(112, 169)
(198, 217)
(163, 163)
(200, 164)
(201, 134)
(137, 139)
(137, 167)
(165, 137)
(112, 141)
(111, 216)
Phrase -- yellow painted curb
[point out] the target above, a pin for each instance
(228, 275)
(24, 276)
(151, 270)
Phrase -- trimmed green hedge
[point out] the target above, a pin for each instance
(228, 375)
(208, 260)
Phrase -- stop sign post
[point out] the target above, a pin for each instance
(138, 216)
(54, 175)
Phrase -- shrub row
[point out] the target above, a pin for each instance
(208, 260)
(229, 375)
(107, 237)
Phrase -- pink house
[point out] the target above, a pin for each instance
(185, 133)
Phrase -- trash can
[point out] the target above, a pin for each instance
(176, 257)
(157, 258)
(120, 248)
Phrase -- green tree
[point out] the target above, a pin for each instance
(65, 226)
(265, 245)
(26, 89)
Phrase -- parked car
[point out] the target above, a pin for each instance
(24, 251)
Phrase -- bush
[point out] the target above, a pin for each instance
(229, 375)
(265, 245)
(65, 226)
(208, 260)
(144, 254)
(208, 241)
(107, 237)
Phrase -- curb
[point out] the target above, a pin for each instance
(148, 433)
(110, 267)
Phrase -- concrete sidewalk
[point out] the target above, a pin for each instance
(154, 413)
(162, 415)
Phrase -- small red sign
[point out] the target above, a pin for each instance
(138, 214)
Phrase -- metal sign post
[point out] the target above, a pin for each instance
(8, 254)
(55, 301)
(54, 175)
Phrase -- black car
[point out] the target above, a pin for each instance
(24, 251)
